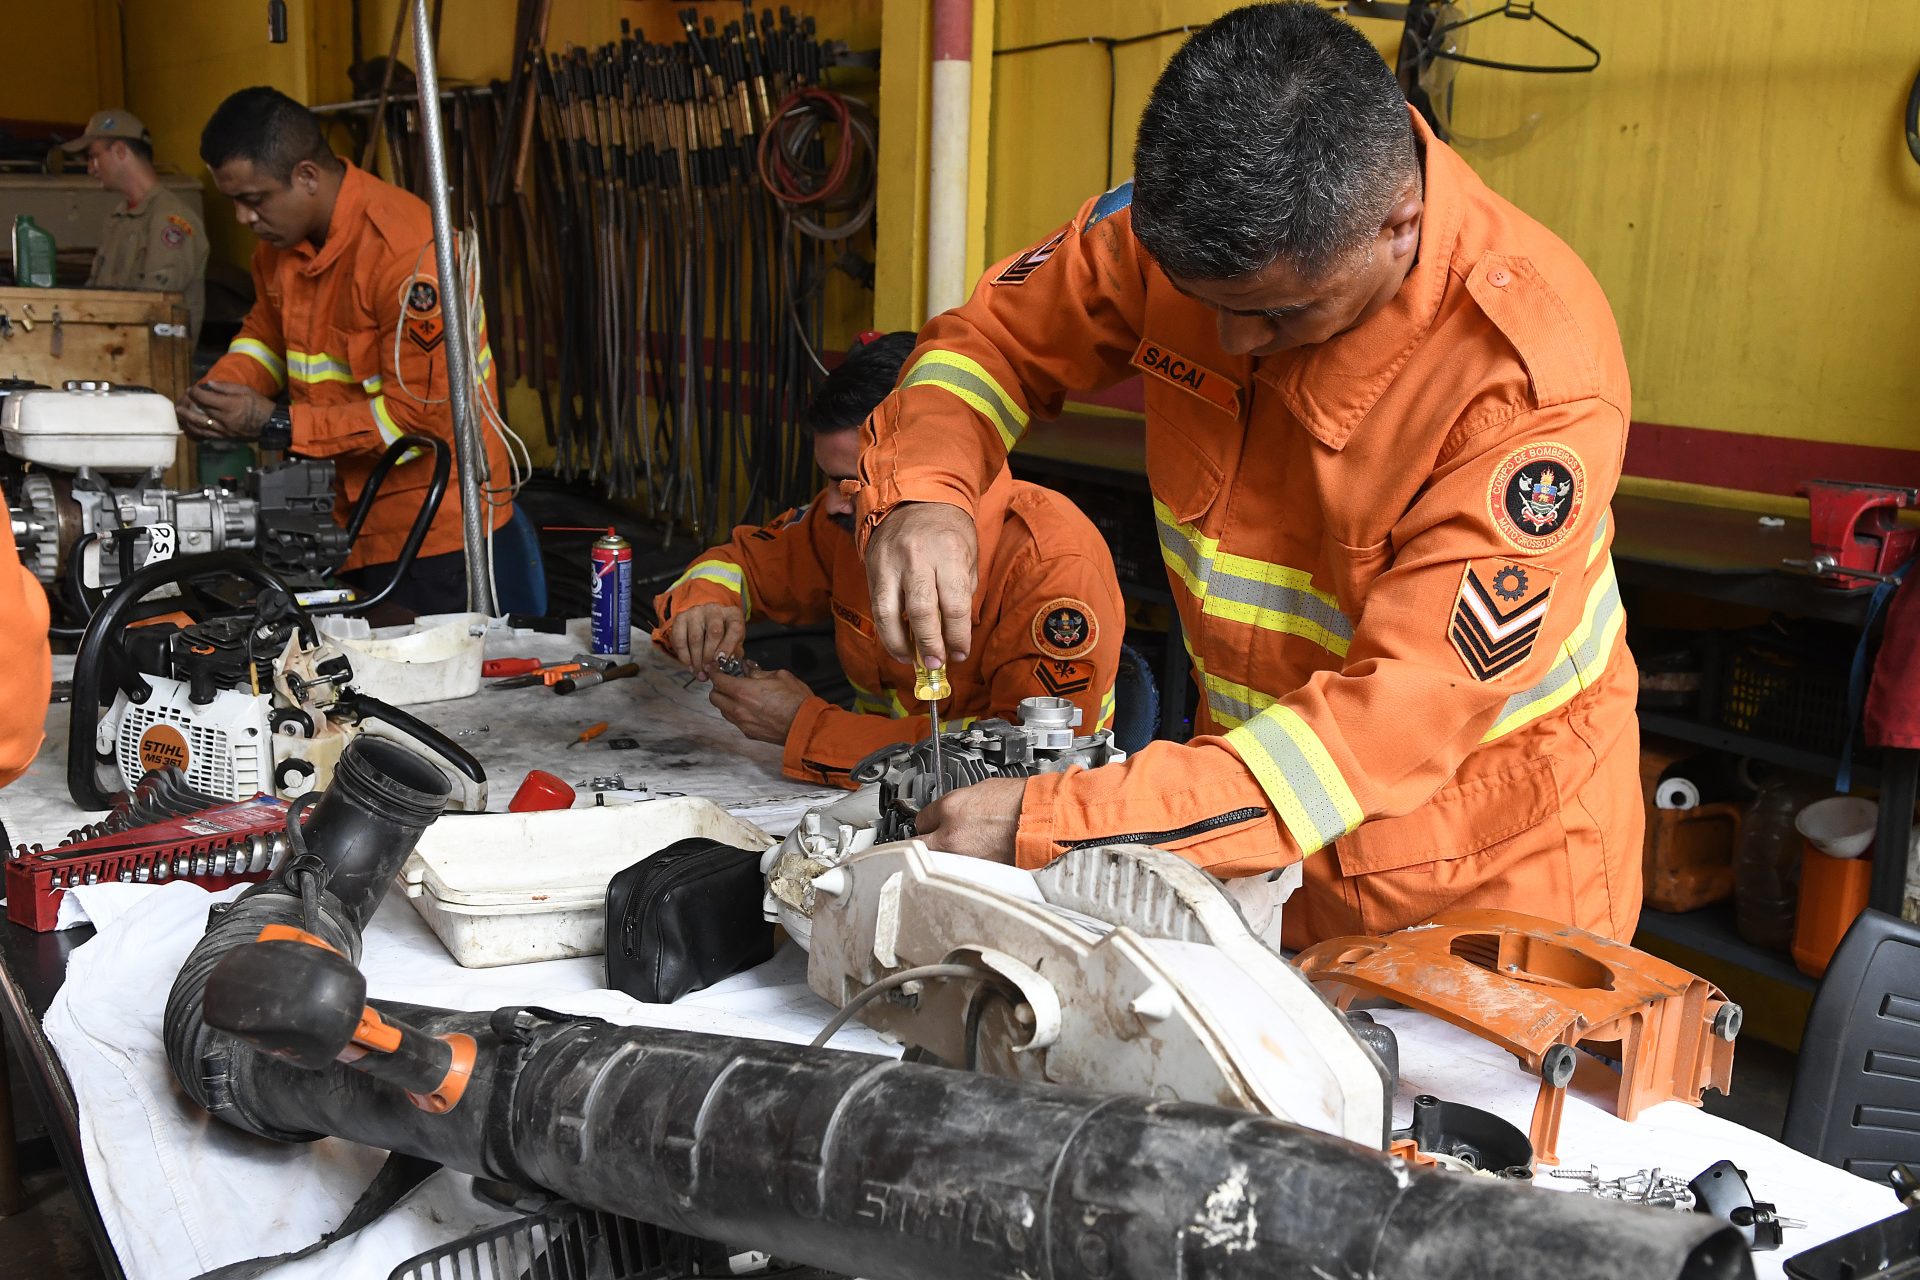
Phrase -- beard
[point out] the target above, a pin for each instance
(843, 521)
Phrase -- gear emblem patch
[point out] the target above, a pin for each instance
(1510, 583)
(1498, 614)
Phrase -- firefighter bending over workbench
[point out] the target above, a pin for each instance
(1048, 606)
(347, 321)
(1385, 416)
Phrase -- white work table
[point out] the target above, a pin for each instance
(180, 1194)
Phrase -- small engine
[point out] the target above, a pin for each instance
(95, 458)
(898, 782)
(238, 705)
(1043, 742)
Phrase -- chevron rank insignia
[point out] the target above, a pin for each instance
(1063, 679)
(1498, 614)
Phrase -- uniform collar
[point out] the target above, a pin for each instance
(349, 210)
(1332, 386)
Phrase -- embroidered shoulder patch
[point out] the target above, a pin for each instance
(1498, 614)
(1032, 260)
(1065, 628)
(1109, 204)
(1063, 679)
(1535, 495)
(423, 298)
(1195, 379)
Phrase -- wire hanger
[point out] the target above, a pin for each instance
(1520, 11)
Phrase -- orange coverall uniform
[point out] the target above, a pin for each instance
(354, 331)
(1390, 553)
(27, 660)
(1047, 618)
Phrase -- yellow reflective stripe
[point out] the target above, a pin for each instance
(1232, 704)
(866, 702)
(1599, 542)
(1106, 711)
(969, 380)
(1585, 655)
(389, 429)
(321, 367)
(1258, 593)
(1298, 775)
(264, 354)
(725, 572)
(372, 385)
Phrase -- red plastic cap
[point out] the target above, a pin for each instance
(539, 791)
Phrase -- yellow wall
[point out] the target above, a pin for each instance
(64, 60)
(1736, 176)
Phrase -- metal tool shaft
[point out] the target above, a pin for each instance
(470, 446)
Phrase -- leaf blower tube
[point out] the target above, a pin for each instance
(861, 1165)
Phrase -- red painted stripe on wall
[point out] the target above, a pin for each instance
(1761, 464)
(1696, 455)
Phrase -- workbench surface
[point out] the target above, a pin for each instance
(180, 1194)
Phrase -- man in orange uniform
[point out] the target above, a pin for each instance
(348, 322)
(1048, 604)
(1385, 417)
(27, 663)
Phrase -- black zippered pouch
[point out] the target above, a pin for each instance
(684, 918)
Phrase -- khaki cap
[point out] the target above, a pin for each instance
(114, 122)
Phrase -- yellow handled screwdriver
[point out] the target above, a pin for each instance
(931, 687)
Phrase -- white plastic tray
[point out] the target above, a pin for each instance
(510, 888)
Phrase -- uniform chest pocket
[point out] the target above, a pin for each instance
(1187, 457)
(1351, 570)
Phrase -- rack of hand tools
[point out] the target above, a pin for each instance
(163, 830)
(657, 223)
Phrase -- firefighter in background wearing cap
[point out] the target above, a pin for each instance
(1048, 604)
(153, 240)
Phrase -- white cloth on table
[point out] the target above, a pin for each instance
(181, 1193)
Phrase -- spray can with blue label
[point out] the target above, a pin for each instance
(612, 565)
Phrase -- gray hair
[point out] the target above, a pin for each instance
(1276, 132)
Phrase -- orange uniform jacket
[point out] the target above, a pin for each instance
(1389, 553)
(355, 333)
(26, 664)
(1047, 621)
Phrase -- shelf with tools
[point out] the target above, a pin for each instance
(1715, 737)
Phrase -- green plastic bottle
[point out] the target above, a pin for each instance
(32, 253)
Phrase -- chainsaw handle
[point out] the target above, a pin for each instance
(101, 645)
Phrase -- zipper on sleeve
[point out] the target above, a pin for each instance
(1232, 818)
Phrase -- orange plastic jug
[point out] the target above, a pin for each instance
(1833, 892)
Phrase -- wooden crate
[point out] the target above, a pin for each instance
(124, 336)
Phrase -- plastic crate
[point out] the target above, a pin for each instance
(1789, 685)
(564, 1243)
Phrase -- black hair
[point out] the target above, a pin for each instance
(269, 129)
(857, 387)
(1276, 132)
(139, 146)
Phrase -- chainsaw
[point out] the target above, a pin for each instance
(240, 703)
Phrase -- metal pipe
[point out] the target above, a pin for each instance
(949, 152)
(470, 447)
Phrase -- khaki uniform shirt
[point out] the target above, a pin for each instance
(161, 245)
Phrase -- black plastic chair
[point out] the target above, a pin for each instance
(1856, 1092)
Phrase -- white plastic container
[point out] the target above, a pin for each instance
(91, 425)
(511, 888)
(435, 658)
